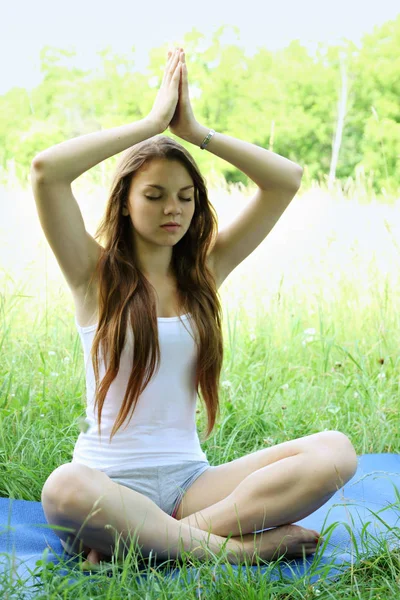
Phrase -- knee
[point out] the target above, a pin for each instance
(62, 486)
(339, 457)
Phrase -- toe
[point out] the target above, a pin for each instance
(94, 557)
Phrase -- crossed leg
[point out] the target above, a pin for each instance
(298, 477)
(270, 497)
(100, 513)
(274, 496)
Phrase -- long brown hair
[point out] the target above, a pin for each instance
(126, 296)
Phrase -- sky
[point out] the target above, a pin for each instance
(88, 26)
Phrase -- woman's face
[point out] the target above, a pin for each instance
(150, 207)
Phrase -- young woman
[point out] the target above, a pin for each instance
(146, 299)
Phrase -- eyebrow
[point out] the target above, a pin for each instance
(160, 187)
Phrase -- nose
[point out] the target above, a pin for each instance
(173, 206)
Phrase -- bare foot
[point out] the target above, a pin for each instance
(287, 540)
(93, 558)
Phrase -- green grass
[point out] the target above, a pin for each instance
(318, 352)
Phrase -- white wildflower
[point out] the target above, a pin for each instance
(285, 386)
(310, 331)
(381, 376)
(226, 384)
(53, 374)
(51, 353)
(356, 395)
(66, 359)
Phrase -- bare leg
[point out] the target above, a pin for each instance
(103, 513)
(281, 493)
(100, 513)
(290, 541)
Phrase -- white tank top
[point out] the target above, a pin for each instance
(162, 429)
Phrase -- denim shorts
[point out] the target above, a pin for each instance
(165, 484)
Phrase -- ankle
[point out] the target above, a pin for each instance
(237, 550)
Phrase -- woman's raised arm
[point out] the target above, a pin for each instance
(64, 162)
(67, 160)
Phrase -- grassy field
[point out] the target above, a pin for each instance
(311, 343)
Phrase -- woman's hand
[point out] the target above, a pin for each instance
(183, 122)
(167, 96)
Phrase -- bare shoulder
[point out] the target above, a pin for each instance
(86, 296)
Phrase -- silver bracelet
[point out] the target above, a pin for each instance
(207, 139)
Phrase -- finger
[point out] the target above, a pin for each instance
(173, 68)
(173, 62)
(183, 60)
(177, 74)
(185, 83)
(170, 57)
(171, 54)
(170, 67)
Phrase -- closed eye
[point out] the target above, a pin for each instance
(158, 197)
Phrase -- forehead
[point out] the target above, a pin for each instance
(164, 172)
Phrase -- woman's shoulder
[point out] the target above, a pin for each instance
(86, 296)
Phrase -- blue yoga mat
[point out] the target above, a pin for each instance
(360, 520)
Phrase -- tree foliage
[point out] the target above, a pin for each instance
(286, 101)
